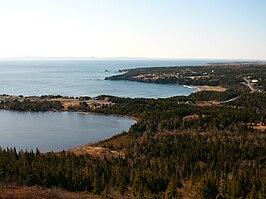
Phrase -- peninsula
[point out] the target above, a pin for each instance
(214, 76)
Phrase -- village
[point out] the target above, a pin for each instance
(186, 73)
(200, 77)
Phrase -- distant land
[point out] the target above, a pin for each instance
(129, 58)
(230, 75)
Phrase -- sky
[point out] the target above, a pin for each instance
(217, 29)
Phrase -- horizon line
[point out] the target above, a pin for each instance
(121, 58)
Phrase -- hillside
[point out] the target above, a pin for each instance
(209, 144)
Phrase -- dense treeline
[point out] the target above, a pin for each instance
(219, 164)
(214, 95)
(251, 100)
(28, 105)
(215, 151)
(220, 133)
(167, 114)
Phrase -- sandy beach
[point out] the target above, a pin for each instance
(209, 88)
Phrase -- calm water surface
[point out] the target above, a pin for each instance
(84, 77)
(55, 131)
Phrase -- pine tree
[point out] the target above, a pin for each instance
(172, 189)
(252, 194)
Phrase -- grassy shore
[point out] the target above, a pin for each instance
(210, 88)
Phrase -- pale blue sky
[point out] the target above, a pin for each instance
(230, 29)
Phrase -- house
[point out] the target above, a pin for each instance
(5, 100)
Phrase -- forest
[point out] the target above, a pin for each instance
(175, 150)
(28, 105)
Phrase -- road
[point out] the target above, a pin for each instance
(249, 85)
(230, 100)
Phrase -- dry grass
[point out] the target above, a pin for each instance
(211, 88)
(96, 151)
(68, 104)
(188, 190)
(118, 141)
(15, 192)
(190, 117)
(259, 127)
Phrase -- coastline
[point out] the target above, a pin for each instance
(92, 148)
(192, 87)
(208, 88)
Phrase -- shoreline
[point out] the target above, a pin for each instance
(207, 88)
(90, 148)
(192, 87)
(81, 112)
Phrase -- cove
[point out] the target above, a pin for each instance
(57, 131)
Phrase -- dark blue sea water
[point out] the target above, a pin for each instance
(84, 77)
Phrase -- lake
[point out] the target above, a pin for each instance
(56, 131)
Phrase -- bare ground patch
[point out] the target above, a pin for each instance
(96, 151)
(40, 193)
(259, 127)
(211, 88)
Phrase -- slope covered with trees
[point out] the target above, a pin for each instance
(179, 148)
(214, 154)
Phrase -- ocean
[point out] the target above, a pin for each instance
(84, 78)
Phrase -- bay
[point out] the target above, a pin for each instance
(84, 78)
